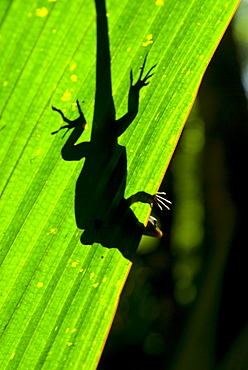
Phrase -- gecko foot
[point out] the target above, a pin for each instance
(152, 228)
(160, 200)
(141, 82)
(70, 124)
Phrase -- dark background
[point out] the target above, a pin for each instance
(184, 306)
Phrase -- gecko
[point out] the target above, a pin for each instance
(101, 209)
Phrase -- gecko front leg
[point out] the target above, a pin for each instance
(133, 98)
(72, 151)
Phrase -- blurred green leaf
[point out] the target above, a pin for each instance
(58, 298)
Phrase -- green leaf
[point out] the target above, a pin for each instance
(58, 297)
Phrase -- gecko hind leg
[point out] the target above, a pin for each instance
(152, 228)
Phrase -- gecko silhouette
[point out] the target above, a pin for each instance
(101, 209)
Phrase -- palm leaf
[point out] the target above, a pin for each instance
(58, 298)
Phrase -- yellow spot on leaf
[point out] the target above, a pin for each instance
(104, 279)
(172, 140)
(95, 285)
(92, 275)
(70, 343)
(41, 12)
(52, 231)
(149, 40)
(5, 83)
(73, 330)
(201, 57)
(12, 356)
(74, 78)
(54, 30)
(128, 49)
(67, 330)
(159, 2)
(74, 264)
(66, 96)
(106, 313)
(187, 73)
(40, 285)
(38, 152)
(73, 66)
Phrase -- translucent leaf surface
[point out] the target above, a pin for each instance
(58, 297)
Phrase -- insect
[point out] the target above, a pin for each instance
(101, 209)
